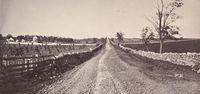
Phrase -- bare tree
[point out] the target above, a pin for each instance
(120, 37)
(165, 16)
(147, 35)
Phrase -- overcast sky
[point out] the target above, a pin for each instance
(88, 18)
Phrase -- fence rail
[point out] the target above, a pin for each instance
(42, 66)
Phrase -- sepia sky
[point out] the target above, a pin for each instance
(89, 18)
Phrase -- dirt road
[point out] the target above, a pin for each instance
(114, 72)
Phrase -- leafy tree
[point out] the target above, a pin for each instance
(51, 39)
(20, 37)
(147, 35)
(171, 30)
(9, 36)
(1, 37)
(68, 40)
(40, 39)
(94, 40)
(165, 16)
(120, 37)
(28, 38)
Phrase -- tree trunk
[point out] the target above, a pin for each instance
(146, 45)
(161, 45)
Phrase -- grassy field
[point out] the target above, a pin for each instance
(24, 50)
(178, 46)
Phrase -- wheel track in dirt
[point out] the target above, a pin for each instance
(107, 73)
(105, 81)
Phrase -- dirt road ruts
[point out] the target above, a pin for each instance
(109, 73)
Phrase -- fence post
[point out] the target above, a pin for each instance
(1, 56)
(1, 63)
(28, 66)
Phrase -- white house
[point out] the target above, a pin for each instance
(11, 40)
(35, 39)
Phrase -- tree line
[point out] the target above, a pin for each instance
(40, 39)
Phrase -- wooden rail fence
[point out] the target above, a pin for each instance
(42, 67)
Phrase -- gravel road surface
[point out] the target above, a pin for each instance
(114, 72)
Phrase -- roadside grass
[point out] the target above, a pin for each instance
(161, 71)
(175, 46)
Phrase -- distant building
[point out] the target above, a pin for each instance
(35, 39)
(11, 40)
(23, 40)
(177, 36)
(17, 40)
